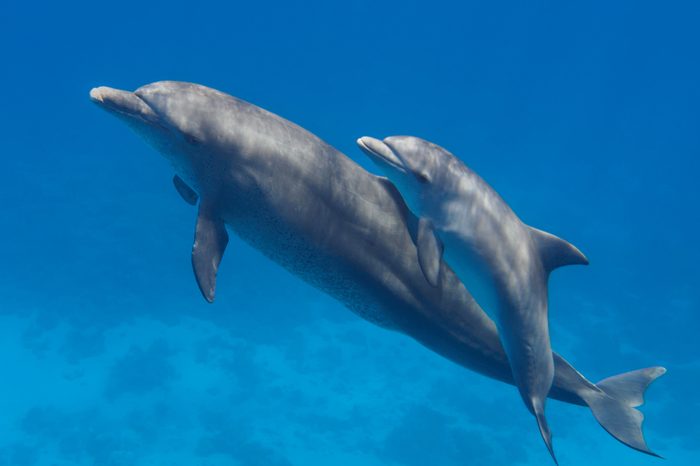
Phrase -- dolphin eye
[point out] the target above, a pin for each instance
(422, 178)
(192, 140)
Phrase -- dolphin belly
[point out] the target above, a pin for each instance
(474, 273)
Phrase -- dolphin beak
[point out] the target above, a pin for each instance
(123, 103)
(380, 153)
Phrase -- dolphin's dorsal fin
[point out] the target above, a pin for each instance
(210, 240)
(430, 250)
(185, 191)
(554, 251)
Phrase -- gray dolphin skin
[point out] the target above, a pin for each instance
(340, 228)
(504, 263)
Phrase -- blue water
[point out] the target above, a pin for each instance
(584, 117)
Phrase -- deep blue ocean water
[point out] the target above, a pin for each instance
(585, 117)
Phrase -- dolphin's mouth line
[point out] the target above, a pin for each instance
(380, 153)
(125, 103)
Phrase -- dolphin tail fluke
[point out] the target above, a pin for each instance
(614, 405)
(544, 429)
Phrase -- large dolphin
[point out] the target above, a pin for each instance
(504, 263)
(338, 227)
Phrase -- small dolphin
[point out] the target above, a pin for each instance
(503, 262)
(343, 230)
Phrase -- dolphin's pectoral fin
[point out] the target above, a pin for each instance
(429, 251)
(555, 252)
(210, 240)
(185, 191)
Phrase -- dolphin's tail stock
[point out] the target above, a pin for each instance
(613, 405)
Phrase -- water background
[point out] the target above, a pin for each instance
(583, 116)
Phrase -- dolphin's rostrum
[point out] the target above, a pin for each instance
(338, 227)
